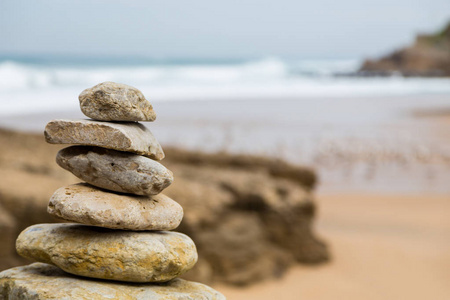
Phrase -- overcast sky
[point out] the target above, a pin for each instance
(216, 29)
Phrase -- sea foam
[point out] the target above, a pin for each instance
(38, 87)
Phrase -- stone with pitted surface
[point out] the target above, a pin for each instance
(114, 170)
(110, 101)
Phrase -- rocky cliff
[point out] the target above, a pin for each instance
(429, 55)
(251, 218)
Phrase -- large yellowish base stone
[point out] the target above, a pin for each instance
(41, 281)
(145, 256)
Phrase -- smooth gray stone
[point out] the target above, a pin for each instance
(145, 256)
(110, 101)
(114, 170)
(129, 137)
(40, 281)
(85, 204)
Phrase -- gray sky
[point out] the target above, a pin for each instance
(219, 29)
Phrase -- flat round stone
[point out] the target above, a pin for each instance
(85, 204)
(114, 170)
(146, 256)
(110, 101)
(47, 282)
(129, 137)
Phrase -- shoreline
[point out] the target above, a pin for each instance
(410, 106)
(376, 144)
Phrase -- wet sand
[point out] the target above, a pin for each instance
(383, 247)
(359, 144)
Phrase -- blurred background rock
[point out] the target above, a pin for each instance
(251, 218)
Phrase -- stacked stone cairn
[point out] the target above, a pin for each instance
(123, 233)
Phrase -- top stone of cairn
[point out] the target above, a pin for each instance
(110, 101)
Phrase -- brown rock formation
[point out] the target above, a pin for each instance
(250, 217)
(428, 56)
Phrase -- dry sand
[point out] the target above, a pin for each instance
(383, 247)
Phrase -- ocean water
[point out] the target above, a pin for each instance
(43, 84)
(360, 134)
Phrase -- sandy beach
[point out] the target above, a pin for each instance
(383, 247)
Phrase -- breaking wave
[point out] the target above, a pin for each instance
(32, 86)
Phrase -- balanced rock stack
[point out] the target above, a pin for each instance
(123, 233)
